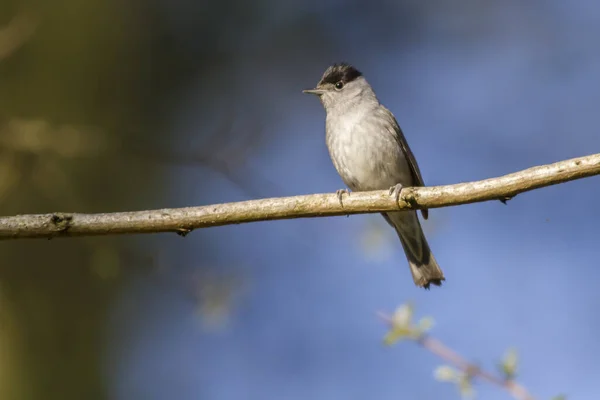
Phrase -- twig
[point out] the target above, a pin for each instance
(315, 205)
(439, 349)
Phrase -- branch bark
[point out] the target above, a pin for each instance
(184, 220)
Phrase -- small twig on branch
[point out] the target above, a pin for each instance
(441, 350)
(317, 205)
(403, 327)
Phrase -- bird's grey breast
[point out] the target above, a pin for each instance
(364, 149)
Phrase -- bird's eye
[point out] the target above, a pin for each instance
(339, 85)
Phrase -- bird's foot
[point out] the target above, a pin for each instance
(505, 199)
(340, 193)
(395, 191)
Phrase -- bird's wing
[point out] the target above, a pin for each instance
(412, 162)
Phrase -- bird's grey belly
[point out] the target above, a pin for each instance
(369, 161)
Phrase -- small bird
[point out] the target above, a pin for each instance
(370, 152)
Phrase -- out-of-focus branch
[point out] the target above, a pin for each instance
(462, 371)
(183, 220)
(438, 348)
(16, 33)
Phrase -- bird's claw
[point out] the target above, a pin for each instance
(504, 200)
(340, 193)
(395, 191)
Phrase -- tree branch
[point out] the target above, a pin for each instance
(403, 327)
(184, 220)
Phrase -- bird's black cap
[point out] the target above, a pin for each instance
(340, 72)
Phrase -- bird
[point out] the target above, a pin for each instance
(370, 152)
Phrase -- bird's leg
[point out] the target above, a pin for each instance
(395, 191)
(340, 193)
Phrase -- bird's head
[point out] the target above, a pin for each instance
(342, 86)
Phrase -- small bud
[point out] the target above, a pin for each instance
(425, 324)
(401, 325)
(403, 316)
(445, 373)
(465, 385)
(509, 364)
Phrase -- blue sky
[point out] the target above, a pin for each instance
(479, 91)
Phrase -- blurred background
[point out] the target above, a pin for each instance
(115, 105)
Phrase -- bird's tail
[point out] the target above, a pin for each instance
(425, 270)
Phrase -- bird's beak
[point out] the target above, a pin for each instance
(317, 92)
